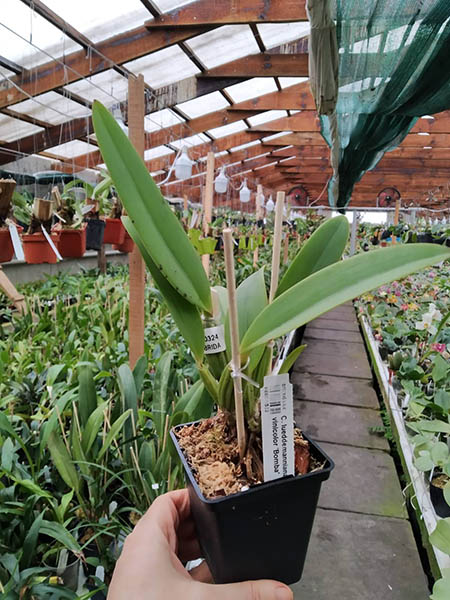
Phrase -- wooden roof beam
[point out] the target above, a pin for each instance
(118, 49)
(230, 12)
(263, 65)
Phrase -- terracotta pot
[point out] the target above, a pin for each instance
(6, 247)
(72, 242)
(127, 245)
(37, 250)
(114, 232)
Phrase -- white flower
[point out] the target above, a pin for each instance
(426, 324)
(436, 315)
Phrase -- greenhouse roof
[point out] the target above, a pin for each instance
(226, 77)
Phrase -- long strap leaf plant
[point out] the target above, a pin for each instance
(315, 282)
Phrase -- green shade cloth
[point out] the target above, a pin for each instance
(394, 66)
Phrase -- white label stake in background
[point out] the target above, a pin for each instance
(52, 245)
(16, 242)
(277, 423)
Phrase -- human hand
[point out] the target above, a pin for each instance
(151, 568)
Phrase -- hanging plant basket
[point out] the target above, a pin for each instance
(37, 250)
(260, 533)
(72, 242)
(114, 232)
(6, 246)
(126, 246)
(95, 229)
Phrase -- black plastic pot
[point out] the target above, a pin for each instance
(437, 498)
(262, 533)
(94, 234)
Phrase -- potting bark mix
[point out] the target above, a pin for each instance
(212, 452)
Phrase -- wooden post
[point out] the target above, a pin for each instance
(101, 259)
(17, 299)
(276, 249)
(234, 334)
(136, 322)
(259, 214)
(208, 204)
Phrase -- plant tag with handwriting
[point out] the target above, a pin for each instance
(277, 423)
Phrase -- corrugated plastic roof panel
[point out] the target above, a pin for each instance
(71, 149)
(163, 67)
(49, 106)
(276, 34)
(251, 88)
(98, 21)
(203, 105)
(223, 45)
(14, 129)
(19, 26)
(224, 130)
(162, 118)
(108, 87)
(270, 115)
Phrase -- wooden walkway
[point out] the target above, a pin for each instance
(362, 546)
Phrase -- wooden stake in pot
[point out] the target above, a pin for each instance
(234, 334)
(396, 218)
(259, 213)
(276, 250)
(42, 209)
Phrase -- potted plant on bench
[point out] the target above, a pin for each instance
(71, 229)
(40, 243)
(240, 518)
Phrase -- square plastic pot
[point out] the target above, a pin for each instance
(95, 229)
(72, 243)
(114, 232)
(261, 533)
(37, 250)
(6, 246)
(127, 245)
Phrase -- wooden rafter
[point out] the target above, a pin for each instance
(230, 12)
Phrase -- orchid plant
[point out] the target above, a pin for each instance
(315, 282)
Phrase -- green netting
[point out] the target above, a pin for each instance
(394, 66)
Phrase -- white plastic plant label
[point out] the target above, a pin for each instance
(16, 242)
(193, 220)
(50, 241)
(215, 339)
(277, 421)
(86, 209)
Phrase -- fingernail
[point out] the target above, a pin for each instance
(283, 593)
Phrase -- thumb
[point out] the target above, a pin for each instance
(263, 589)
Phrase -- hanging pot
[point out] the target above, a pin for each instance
(261, 533)
(114, 232)
(127, 245)
(72, 242)
(37, 250)
(95, 229)
(6, 246)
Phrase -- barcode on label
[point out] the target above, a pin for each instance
(277, 421)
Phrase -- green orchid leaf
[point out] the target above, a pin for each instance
(30, 542)
(185, 314)
(336, 284)
(290, 359)
(440, 537)
(93, 426)
(322, 249)
(63, 461)
(87, 395)
(251, 298)
(158, 227)
(441, 589)
(59, 533)
(113, 433)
